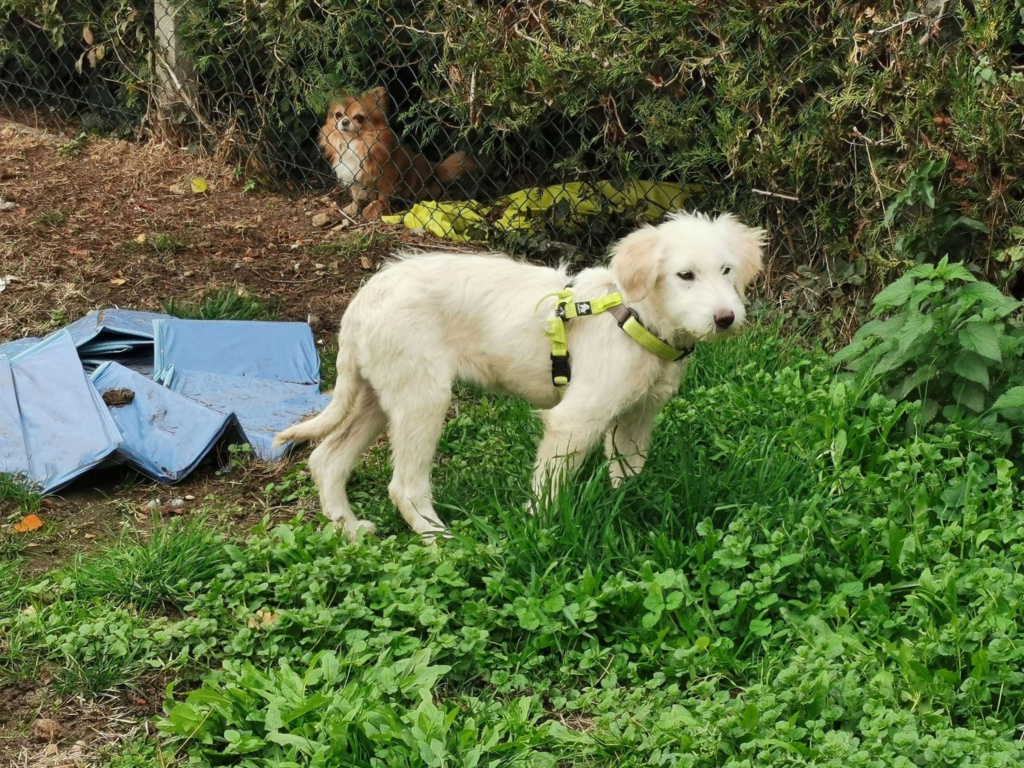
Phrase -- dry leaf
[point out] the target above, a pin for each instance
(367, 264)
(263, 618)
(198, 185)
(28, 523)
(91, 56)
(140, 239)
(101, 51)
(45, 729)
(117, 281)
(87, 35)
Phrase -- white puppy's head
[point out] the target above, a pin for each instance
(690, 272)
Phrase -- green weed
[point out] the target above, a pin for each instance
(51, 218)
(159, 243)
(354, 245)
(18, 497)
(156, 571)
(223, 305)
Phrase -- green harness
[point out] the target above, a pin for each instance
(568, 309)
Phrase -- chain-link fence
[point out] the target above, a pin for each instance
(855, 132)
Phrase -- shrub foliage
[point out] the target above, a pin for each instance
(871, 129)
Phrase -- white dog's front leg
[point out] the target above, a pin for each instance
(628, 443)
(571, 432)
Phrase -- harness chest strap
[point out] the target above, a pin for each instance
(567, 309)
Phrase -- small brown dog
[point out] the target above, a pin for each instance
(367, 157)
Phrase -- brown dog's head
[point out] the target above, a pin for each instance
(355, 114)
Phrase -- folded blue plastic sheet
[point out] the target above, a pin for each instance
(165, 435)
(13, 451)
(65, 426)
(263, 407)
(128, 324)
(283, 352)
(121, 335)
(12, 348)
(194, 380)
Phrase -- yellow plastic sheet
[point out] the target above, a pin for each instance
(518, 211)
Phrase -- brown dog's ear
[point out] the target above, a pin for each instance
(378, 99)
(635, 263)
(745, 244)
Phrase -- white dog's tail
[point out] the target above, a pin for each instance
(334, 415)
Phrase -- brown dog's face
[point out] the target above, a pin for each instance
(354, 114)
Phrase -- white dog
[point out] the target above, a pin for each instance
(426, 321)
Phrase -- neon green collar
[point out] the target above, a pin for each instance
(568, 309)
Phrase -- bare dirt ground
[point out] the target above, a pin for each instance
(102, 223)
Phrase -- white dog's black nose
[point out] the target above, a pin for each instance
(725, 318)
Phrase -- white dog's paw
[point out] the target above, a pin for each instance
(430, 528)
(353, 529)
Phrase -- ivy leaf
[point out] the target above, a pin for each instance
(654, 602)
(1011, 398)
(981, 337)
(553, 603)
(761, 627)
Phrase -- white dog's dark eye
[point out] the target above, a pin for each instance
(686, 275)
(726, 270)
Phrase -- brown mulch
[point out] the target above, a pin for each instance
(104, 222)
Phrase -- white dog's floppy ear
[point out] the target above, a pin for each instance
(745, 244)
(635, 263)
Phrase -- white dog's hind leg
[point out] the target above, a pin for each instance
(332, 462)
(417, 419)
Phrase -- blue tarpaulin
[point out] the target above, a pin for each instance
(165, 435)
(262, 350)
(175, 389)
(263, 407)
(62, 427)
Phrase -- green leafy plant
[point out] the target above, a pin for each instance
(223, 304)
(933, 220)
(942, 336)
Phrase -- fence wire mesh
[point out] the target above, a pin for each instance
(556, 124)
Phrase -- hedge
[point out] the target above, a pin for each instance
(862, 134)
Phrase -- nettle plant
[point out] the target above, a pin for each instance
(941, 336)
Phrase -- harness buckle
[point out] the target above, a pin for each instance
(561, 371)
(560, 310)
(630, 313)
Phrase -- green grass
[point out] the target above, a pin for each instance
(355, 244)
(797, 578)
(148, 573)
(159, 243)
(51, 218)
(17, 497)
(223, 305)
